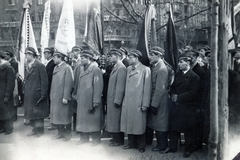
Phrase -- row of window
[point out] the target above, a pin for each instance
(13, 2)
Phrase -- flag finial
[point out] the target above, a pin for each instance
(26, 4)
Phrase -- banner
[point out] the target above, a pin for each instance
(65, 37)
(171, 49)
(26, 38)
(145, 37)
(93, 29)
(45, 29)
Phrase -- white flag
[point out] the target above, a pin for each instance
(65, 38)
(45, 28)
(26, 39)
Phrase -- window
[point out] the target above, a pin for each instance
(32, 17)
(40, 16)
(40, 1)
(52, 35)
(11, 2)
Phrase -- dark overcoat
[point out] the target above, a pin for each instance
(49, 68)
(137, 94)
(7, 83)
(115, 94)
(159, 97)
(90, 87)
(36, 86)
(183, 111)
(61, 88)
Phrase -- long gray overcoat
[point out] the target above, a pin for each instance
(137, 94)
(159, 98)
(36, 86)
(115, 94)
(7, 82)
(61, 88)
(90, 87)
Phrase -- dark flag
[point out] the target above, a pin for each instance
(146, 34)
(93, 31)
(171, 49)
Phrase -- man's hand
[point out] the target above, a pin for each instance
(143, 108)
(174, 97)
(91, 110)
(64, 101)
(154, 110)
(6, 99)
(117, 105)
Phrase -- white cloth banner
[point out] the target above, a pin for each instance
(65, 38)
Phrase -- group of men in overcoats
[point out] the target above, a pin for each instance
(140, 100)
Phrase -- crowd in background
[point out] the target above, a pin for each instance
(123, 97)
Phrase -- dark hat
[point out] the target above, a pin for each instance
(185, 56)
(193, 53)
(9, 53)
(59, 54)
(206, 47)
(136, 53)
(124, 50)
(31, 50)
(2, 55)
(49, 50)
(157, 50)
(237, 55)
(116, 52)
(88, 53)
(76, 48)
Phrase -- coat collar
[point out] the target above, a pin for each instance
(183, 77)
(28, 71)
(88, 70)
(116, 66)
(135, 71)
(59, 68)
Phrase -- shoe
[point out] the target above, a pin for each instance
(2, 131)
(57, 137)
(114, 144)
(95, 144)
(81, 142)
(38, 135)
(164, 151)
(65, 139)
(127, 147)
(141, 150)
(155, 149)
(168, 150)
(52, 128)
(27, 123)
(31, 134)
(187, 154)
(7, 133)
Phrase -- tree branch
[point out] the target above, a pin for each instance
(185, 18)
(128, 11)
(134, 10)
(118, 16)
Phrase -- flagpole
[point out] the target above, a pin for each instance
(102, 20)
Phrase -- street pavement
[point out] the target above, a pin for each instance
(17, 146)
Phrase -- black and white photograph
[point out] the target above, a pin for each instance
(119, 79)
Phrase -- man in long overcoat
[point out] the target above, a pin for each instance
(35, 92)
(136, 101)
(184, 92)
(159, 109)
(61, 95)
(7, 83)
(89, 93)
(115, 94)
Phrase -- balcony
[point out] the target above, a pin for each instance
(117, 38)
(9, 24)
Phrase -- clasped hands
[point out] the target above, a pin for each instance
(93, 109)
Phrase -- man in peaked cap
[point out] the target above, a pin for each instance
(35, 96)
(75, 56)
(60, 96)
(115, 93)
(48, 55)
(183, 91)
(159, 109)
(7, 82)
(89, 95)
(124, 56)
(136, 101)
